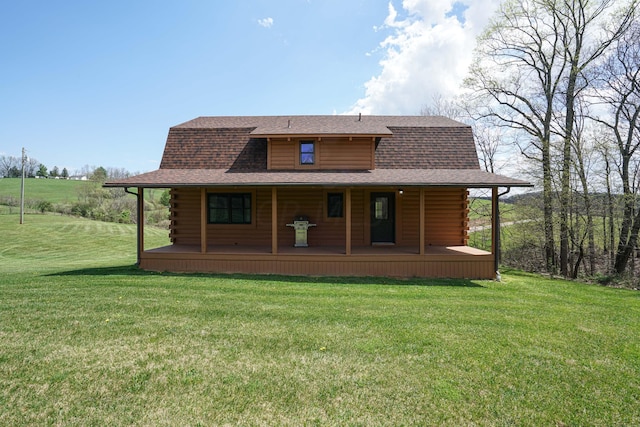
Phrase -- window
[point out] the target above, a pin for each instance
(307, 153)
(381, 208)
(335, 203)
(229, 208)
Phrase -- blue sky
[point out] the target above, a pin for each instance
(100, 83)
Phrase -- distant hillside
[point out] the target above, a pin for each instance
(63, 191)
(598, 200)
(51, 190)
(80, 198)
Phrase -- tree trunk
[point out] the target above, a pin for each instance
(610, 209)
(626, 230)
(591, 240)
(547, 196)
(628, 235)
(565, 192)
(582, 174)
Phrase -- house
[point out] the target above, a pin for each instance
(320, 195)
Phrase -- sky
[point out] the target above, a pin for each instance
(100, 83)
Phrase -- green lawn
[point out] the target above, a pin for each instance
(52, 190)
(86, 339)
(63, 191)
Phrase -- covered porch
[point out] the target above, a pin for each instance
(418, 259)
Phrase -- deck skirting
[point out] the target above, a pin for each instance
(457, 265)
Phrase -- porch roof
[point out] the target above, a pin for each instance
(470, 178)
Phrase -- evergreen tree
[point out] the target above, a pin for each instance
(42, 171)
(99, 175)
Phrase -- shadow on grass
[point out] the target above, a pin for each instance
(133, 270)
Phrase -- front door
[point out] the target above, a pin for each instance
(383, 221)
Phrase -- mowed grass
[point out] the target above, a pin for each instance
(53, 241)
(86, 339)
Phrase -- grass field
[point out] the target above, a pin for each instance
(87, 339)
(53, 190)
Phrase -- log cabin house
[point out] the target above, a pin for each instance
(320, 195)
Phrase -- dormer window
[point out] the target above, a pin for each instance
(307, 153)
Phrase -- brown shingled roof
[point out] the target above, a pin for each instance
(164, 178)
(213, 148)
(318, 124)
(410, 150)
(240, 142)
(428, 148)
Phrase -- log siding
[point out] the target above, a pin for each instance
(330, 154)
(446, 222)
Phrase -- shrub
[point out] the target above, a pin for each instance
(125, 216)
(9, 201)
(156, 216)
(44, 206)
(81, 209)
(165, 199)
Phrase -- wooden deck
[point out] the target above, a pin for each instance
(385, 261)
(387, 250)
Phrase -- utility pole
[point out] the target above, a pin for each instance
(22, 188)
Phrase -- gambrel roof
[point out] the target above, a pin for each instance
(409, 150)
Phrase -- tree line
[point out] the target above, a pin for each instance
(11, 167)
(557, 82)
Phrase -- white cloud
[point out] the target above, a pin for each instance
(427, 53)
(390, 21)
(266, 22)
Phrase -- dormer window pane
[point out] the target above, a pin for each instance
(307, 153)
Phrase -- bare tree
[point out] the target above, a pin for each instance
(579, 22)
(583, 153)
(619, 88)
(487, 139)
(441, 106)
(31, 166)
(117, 173)
(514, 81)
(610, 230)
(531, 65)
(7, 163)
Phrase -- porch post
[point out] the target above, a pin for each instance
(347, 215)
(422, 221)
(495, 228)
(274, 220)
(140, 223)
(203, 220)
